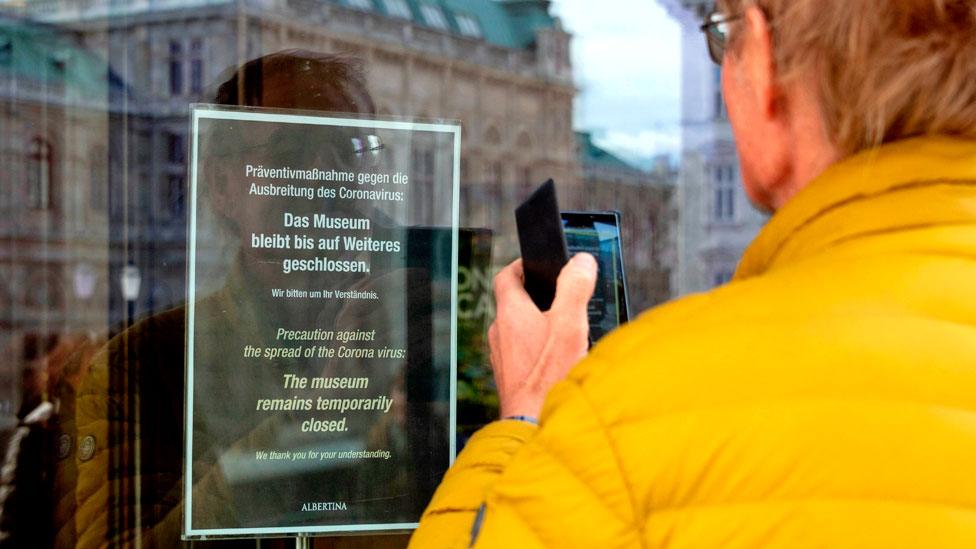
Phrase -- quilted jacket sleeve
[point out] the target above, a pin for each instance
(525, 477)
(448, 520)
(149, 358)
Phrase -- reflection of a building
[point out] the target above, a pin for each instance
(95, 135)
(716, 220)
(644, 201)
(108, 190)
(55, 202)
(500, 67)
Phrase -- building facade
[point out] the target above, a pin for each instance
(54, 211)
(716, 221)
(645, 201)
(502, 68)
(95, 133)
(95, 139)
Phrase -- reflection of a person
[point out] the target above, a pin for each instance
(141, 441)
(37, 475)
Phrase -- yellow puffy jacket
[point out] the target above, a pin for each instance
(825, 398)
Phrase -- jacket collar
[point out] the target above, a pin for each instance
(838, 205)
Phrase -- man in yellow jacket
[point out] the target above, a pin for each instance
(827, 396)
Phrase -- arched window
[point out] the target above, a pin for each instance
(196, 65)
(724, 187)
(39, 163)
(175, 68)
(493, 137)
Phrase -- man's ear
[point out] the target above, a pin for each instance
(756, 41)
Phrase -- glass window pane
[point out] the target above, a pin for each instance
(196, 65)
(398, 8)
(434, 16)
(175, 68)
(96, 287)
(468, 25)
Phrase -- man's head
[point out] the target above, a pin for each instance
(293, 81)
(809, 82)
(299, 79)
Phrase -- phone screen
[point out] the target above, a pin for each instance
(598, 233)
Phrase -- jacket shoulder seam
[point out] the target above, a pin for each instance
(639, 525)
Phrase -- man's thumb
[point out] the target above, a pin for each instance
(576, 283)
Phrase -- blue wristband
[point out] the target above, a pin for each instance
(527, 419)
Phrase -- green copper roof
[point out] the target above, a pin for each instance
(526, 16)
(42, 54)
(507, 23)
(592, 155)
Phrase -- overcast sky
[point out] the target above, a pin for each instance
(627, 60)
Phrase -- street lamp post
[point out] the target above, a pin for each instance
(131, 282)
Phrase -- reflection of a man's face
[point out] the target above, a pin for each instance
(274, 146)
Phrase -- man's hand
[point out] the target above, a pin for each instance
(532, 350)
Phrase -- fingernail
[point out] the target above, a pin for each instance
(585, 261)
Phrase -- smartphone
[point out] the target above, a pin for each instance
(542, 244)
(598, 233)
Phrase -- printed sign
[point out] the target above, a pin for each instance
(321, 322)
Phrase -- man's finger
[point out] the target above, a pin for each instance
(510, 286)
(493, 347)
(575, 285)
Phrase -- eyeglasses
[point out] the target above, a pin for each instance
(368, 150)
(716, 29)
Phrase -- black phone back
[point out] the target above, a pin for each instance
(543, 244)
